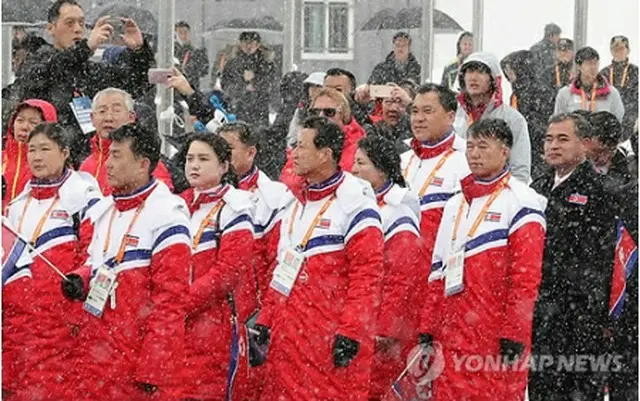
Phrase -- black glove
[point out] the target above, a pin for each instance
(259, 338)
(510, 350)
(147, 388)
(425, 339)
(344, 350)
(73, 288)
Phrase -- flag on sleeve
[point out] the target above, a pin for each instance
(626, 260)
(13, 248)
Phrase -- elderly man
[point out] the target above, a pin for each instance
(111, 109)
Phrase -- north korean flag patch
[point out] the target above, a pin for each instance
(131, 240)
(578, 199)
(437, 181)
(493, 217)
(59, 214)
(324, 224)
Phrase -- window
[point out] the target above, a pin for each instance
(327, 27)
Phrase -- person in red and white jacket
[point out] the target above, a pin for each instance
(222, 231)
(15, 169)
(111, 109)
(404, 272)
(265, 193)
(486, 270)
(322, 304)
(267, 196)
(138, 264)
(47, 215)
(436, 163)
(333, 105)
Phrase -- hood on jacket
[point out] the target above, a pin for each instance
(485, 58)
(491, 62)
(48, 111)
(465, 34)
(522, 63)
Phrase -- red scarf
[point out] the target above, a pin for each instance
(473, 187)
(428, 150)
(134, 199)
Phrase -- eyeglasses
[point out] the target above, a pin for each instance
(327, 112)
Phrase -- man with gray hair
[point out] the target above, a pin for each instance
(111, 109)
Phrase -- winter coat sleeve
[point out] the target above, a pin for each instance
(364, 244)
(405, 263)
(526, 248)
(199, 106)
(162, 350)
(430, 318)
(232, 80)
(617, 108)
(520, 159)
(47, 65)
(224, 275)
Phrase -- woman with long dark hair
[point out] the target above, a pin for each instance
(378, 162)
(47, 213)
(222, 235)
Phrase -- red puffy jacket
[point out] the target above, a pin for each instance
(94, 164)
(404, 272)
(502, 269)
(353, 132)
(36, 367)
(336, 293)
(140, 337)
(14, 154)
(215, 339)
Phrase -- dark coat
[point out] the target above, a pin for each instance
(386, 71)
(557, 76)
(535, 102)
(544, 54)
(629, 92)
(58, 75)
(572, 309)
(194, 63)
(252, 107)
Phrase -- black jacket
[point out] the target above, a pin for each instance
(387, 71)
(252, 107)
(544, 54)
(572, 307)
(629, 92)
(55, 75)
(533, 100)
(194, 63)
(557, 76)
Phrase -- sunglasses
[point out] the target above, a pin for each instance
(327, 112)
